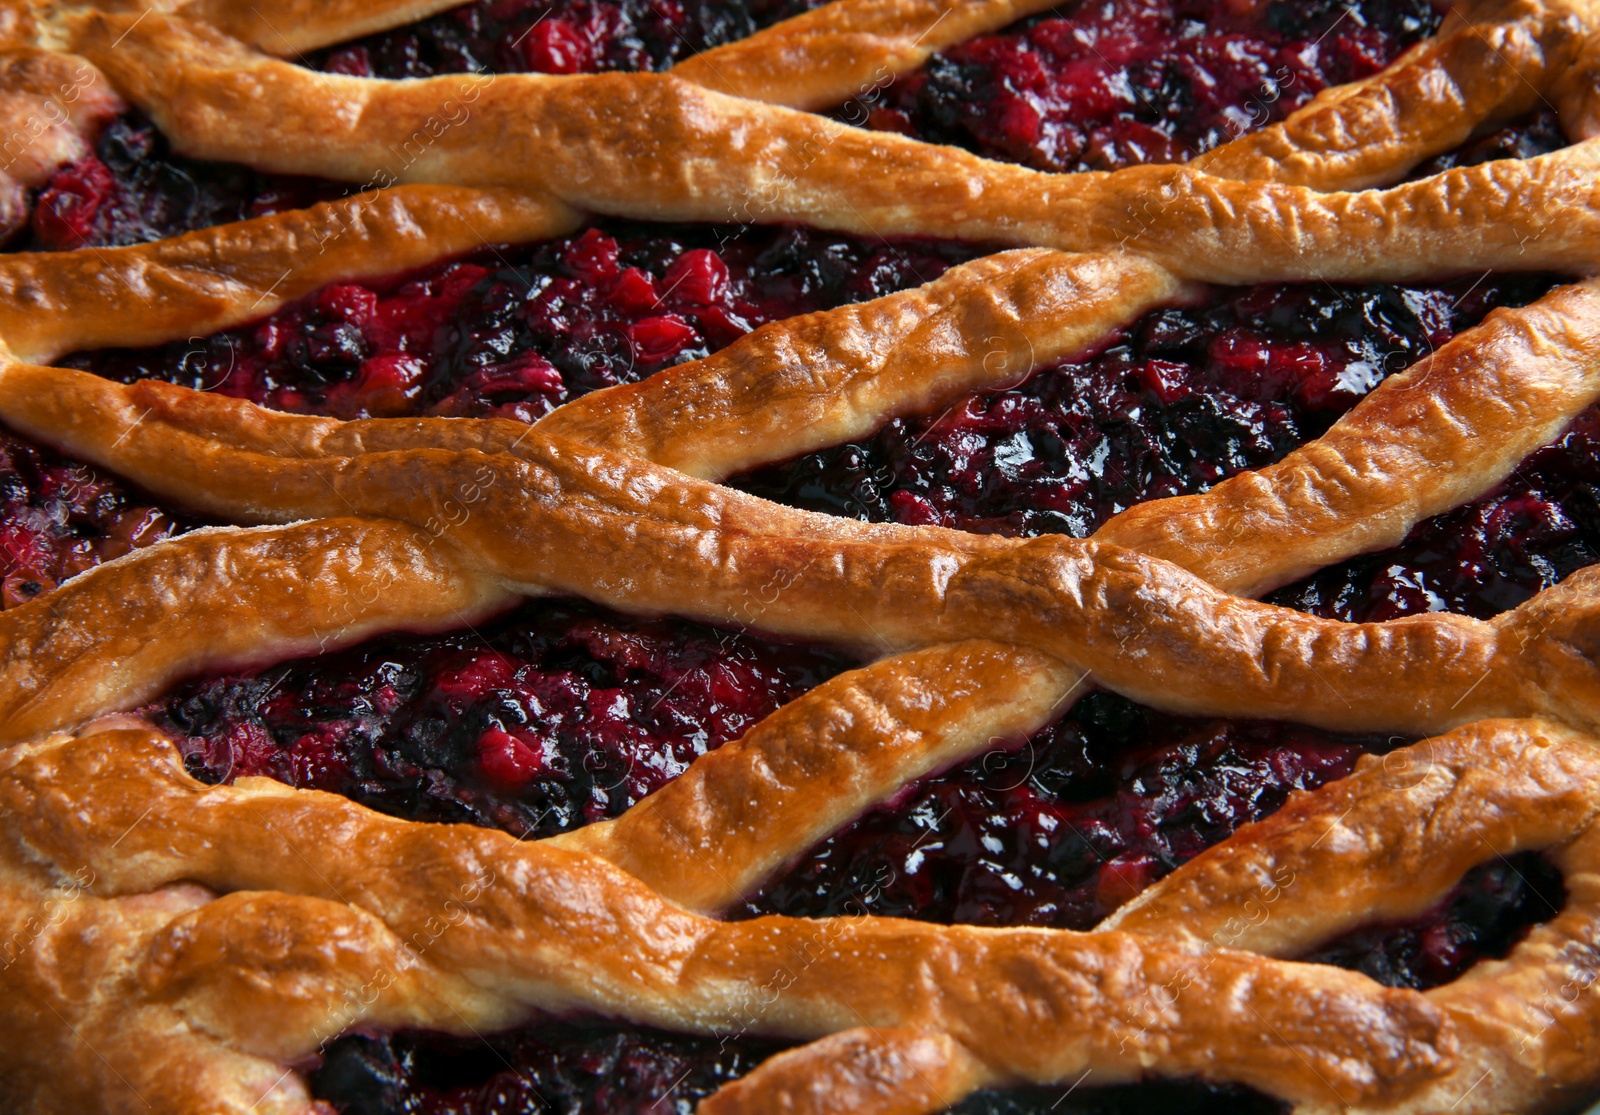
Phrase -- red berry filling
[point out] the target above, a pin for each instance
(1124, 82)
(1540, 525)
(515, 332)
(563, 37)
(1184, 398)
(1106, 85)
(557, 716)
(563, 714)
(1488, 912)
(59, 517)
(1062, 831)
(134, 189)
(558, 1067)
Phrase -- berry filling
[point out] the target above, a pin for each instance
(59, 517)
(134, 189)
(554, 717)
(1124, 82)
(1182, 399)
(564, 37)
(515, 332)
(1537, 527)
(1089, 812)
(592, 1068)
(1106, 85)
(1487, 913)
(599, 1069)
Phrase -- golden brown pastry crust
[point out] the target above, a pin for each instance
(818, 764)
(240, 980)
(655, 146)
(547, 928)
(828, 378)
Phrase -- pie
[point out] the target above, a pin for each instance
(883, 556)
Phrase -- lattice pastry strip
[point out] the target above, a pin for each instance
(1445, 392)
(152, 427)
(1578, 346)
(553, 929)
(565, 137)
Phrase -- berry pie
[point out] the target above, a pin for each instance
(751, 556)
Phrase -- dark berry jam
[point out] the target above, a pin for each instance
(1123, 82)
(565, 37)
(134, 189)
(59, 517)
(1060, 833)
(1540, 525)
(1487, 913)
(597, 1069)
(1151, 1097)
(515, 332)
(1536, 134)
(556, 716)
(564, 1067)
(1183, 399)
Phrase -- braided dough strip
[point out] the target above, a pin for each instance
(1362, 134)
(148, 449)
(885, 1071)
(269, 594)
(51, 105)
(653, 146)
(1440, 434)
(657, 541)
(741, 812)
(827, 378)
(555, 929)
(821, 378)
(1577, 90)
(1390, 841)
(1026, 717)
(1525, 376)
(1344, 126)
(873, 728)
(1463, 417)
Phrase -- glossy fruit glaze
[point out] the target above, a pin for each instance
(610, 1070)
(1095, 86)
(1065, 829)
(555, 716)
(1540, 525)
(1487, 912)
(515, 332)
